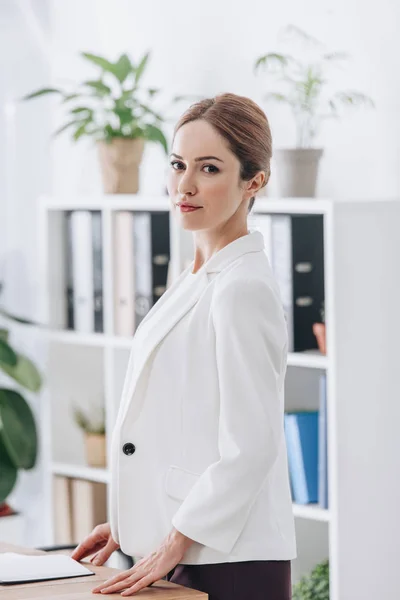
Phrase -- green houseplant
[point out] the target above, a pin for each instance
(116, 111)
(95, 439)
(304, 88)
(18, 433)
(315, 585)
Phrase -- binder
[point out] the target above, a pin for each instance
(82, 269)
(124, 269)
(298, 265)
(143, 265)
(97, 245)
(323, 449)
(301, 432)
(160, 249)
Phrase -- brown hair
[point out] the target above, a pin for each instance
(245, 127)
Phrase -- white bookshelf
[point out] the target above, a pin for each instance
(362, 299)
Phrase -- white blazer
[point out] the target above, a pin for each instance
(199, 441)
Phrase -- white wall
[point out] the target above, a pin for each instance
(200, 48)
(24, 174)
(210, 47)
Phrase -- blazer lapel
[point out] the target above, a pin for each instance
(157, 325)
(184, 293)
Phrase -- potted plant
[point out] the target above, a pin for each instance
(303, 90)
(95, 439)
(319, 330)
(315, 585)
(18, 432)
(116, 111)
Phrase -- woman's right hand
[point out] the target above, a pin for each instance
(100, 543)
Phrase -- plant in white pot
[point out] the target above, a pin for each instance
(94, 431)
(304, 89)
(117, 112)
(18, 432)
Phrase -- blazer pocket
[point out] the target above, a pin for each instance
(179, 482)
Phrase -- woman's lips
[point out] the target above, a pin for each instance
(184, 208)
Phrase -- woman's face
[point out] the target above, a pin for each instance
(204, 172)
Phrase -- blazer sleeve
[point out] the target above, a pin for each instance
(251, 339)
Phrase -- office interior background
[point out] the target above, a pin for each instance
(200, 50)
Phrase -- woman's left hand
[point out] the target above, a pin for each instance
(150, 568)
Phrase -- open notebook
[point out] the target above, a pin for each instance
(22, 568)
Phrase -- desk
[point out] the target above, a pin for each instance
(80, 588)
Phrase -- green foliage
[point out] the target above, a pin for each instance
(315, 585)
(304, 85)
(18, 434)
(89, 424)
(114, 105)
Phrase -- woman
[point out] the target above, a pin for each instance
(200, 490)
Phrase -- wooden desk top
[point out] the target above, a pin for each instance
(80, 588)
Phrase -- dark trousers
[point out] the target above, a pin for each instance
(248, 580)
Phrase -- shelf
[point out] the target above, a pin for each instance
(311, 359)
(113, 202)
(80, 472)
(77, 337)
(311, 511)
(310, 206)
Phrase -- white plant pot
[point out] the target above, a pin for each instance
(12, 529)
(297, 171)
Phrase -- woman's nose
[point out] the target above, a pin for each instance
(186, 184)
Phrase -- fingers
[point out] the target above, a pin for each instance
(103, 555)
(118, 582)
(89, 545)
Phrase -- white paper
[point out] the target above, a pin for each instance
(24, 567)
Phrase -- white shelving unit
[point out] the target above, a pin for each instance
(362, 299)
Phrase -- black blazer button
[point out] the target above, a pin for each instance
(128, 449)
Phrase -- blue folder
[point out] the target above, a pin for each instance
(301, 431)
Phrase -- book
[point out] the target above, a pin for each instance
(24, 568)
(62, 503)
(143, 265)
(97, 248)
(89, 502)
(124, 269)
(298, 265)
(323, 449)
(301, 432)
(82, 270)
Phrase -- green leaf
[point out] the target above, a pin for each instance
(69, 97)
(80, 131)
(7, 354)
(18, 431)
(125, 115)
(66, 126)
(123, 68)
(150, 111)
(351, 98)
(273, 60)
(41, 92)
(101, 88)
(4, 334)
(154, 134)
(81, 109)
(276, 97)
(101, 62)
(13, 317)
(24, 372)
(8, 471)
(141, 67)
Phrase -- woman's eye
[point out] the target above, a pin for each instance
(214, 168)
(177, 165)
(175, 162)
